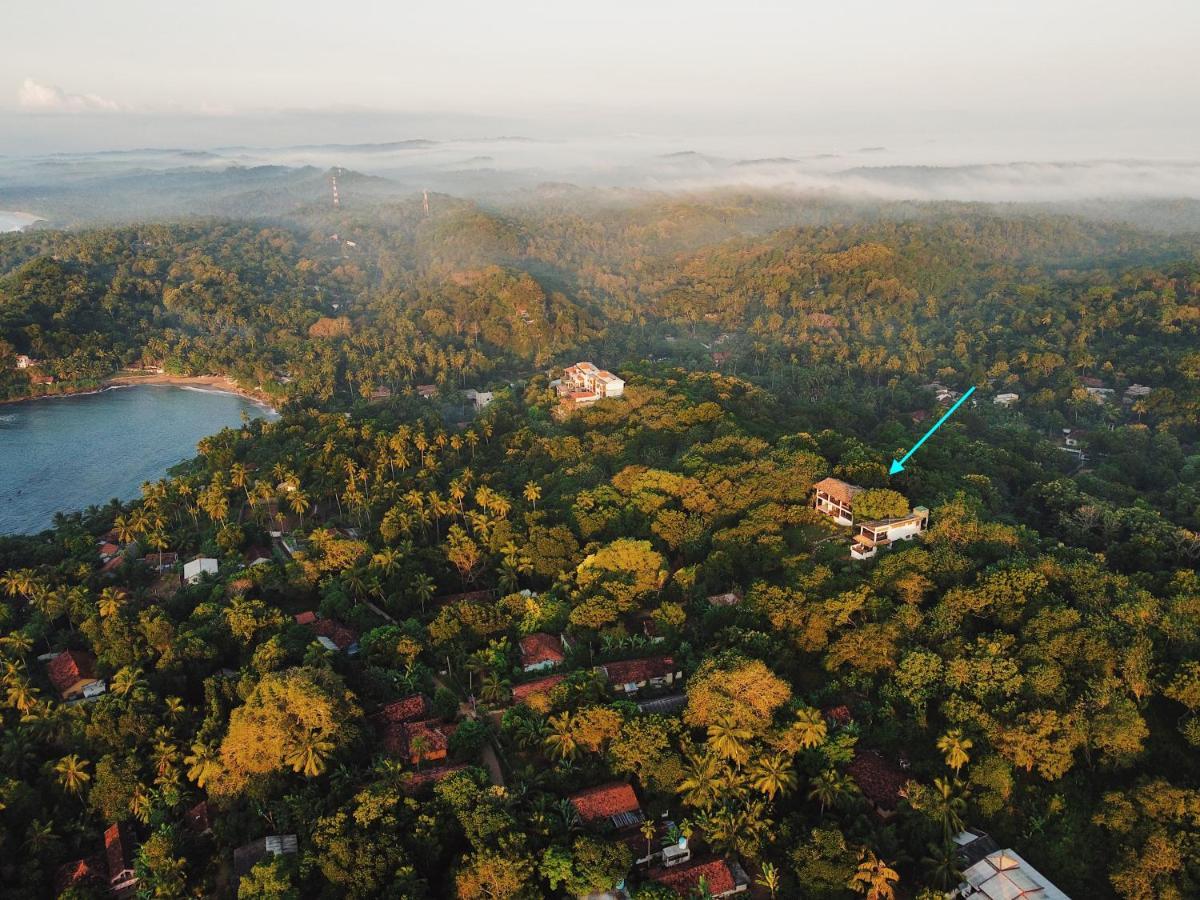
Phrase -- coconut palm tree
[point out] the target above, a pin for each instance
(532, 494)
(773, 775)
(701, 783)
(729, 739)
(110, 602)
(560, 741)
(830, 788)
(955, 746)
(310, 754)
(874, 877)
(72, 773)
(493, 688)
(22, 696)
(810, 727)
(128, 680)
(204, 764)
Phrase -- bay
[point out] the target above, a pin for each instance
(67, 453)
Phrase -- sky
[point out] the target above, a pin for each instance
(1008, 78)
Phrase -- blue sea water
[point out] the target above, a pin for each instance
(67, 453)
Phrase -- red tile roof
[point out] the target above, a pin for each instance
(880, 781)
(685, 880)
(634, 671)
(415, 706)
(107, 549)
(342, 636)
(78, 871)
(540, 648)
(118, 847)
(398, 738)
(604, 801)
(112, 565)
(538, 686)
(69, 668)
(417, 780)
(305, 618)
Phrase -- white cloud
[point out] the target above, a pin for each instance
(34, 95)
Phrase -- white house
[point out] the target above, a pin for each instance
(200, 566)
(1006, 400)
(24, 362)
(885, 532)
(835, 498)
(480, 398)
(1004, 875)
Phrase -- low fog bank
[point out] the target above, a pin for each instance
(87, 187)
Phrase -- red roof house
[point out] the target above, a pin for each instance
(305, 618)
(418, 742)
(71, 671)
(615, 802)
(541, 651)
(89, 870)
(339, 635)
(118, 847)
(408, 709)
(416, 781)
(522, 692)
(881, 781)
(720, 877)
(630, 675)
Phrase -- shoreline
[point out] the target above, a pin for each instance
(219, 383)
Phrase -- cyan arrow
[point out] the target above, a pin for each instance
(898, 464)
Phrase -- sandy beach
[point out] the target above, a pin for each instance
(15, 220)
(222, 383)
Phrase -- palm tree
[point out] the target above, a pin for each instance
(22, 696)
(493, 688)
(386, 561)
(299, 502)
(648, 829)
(423, 588)
(127, 680)
(874, 877)
(773, 775)
(701, 781)
(942, 864)
(175, 708)
(532, 494)
(810, 727)
(830, 788)
(560, 742)
(729, 739)
(769, 879)
(204, 764)
(947, 802)
(955, 746)
(110, 602)
(72, 773)
(310, 754)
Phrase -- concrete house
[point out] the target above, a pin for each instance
(870, 536)
(632, 675)
(199, 567)
(835, 498)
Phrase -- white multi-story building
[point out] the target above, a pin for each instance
(885, 532)
(583, 384)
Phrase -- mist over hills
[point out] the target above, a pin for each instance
(81, 188)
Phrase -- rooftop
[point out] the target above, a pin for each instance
(685, 880)
(880, 781)
(69, 668)
(541, 648)
(605, 801)
(841, 491)
(635, 671)
(412, 707)
(524, 691)
(1004, 875)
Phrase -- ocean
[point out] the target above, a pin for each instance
(64, 454)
